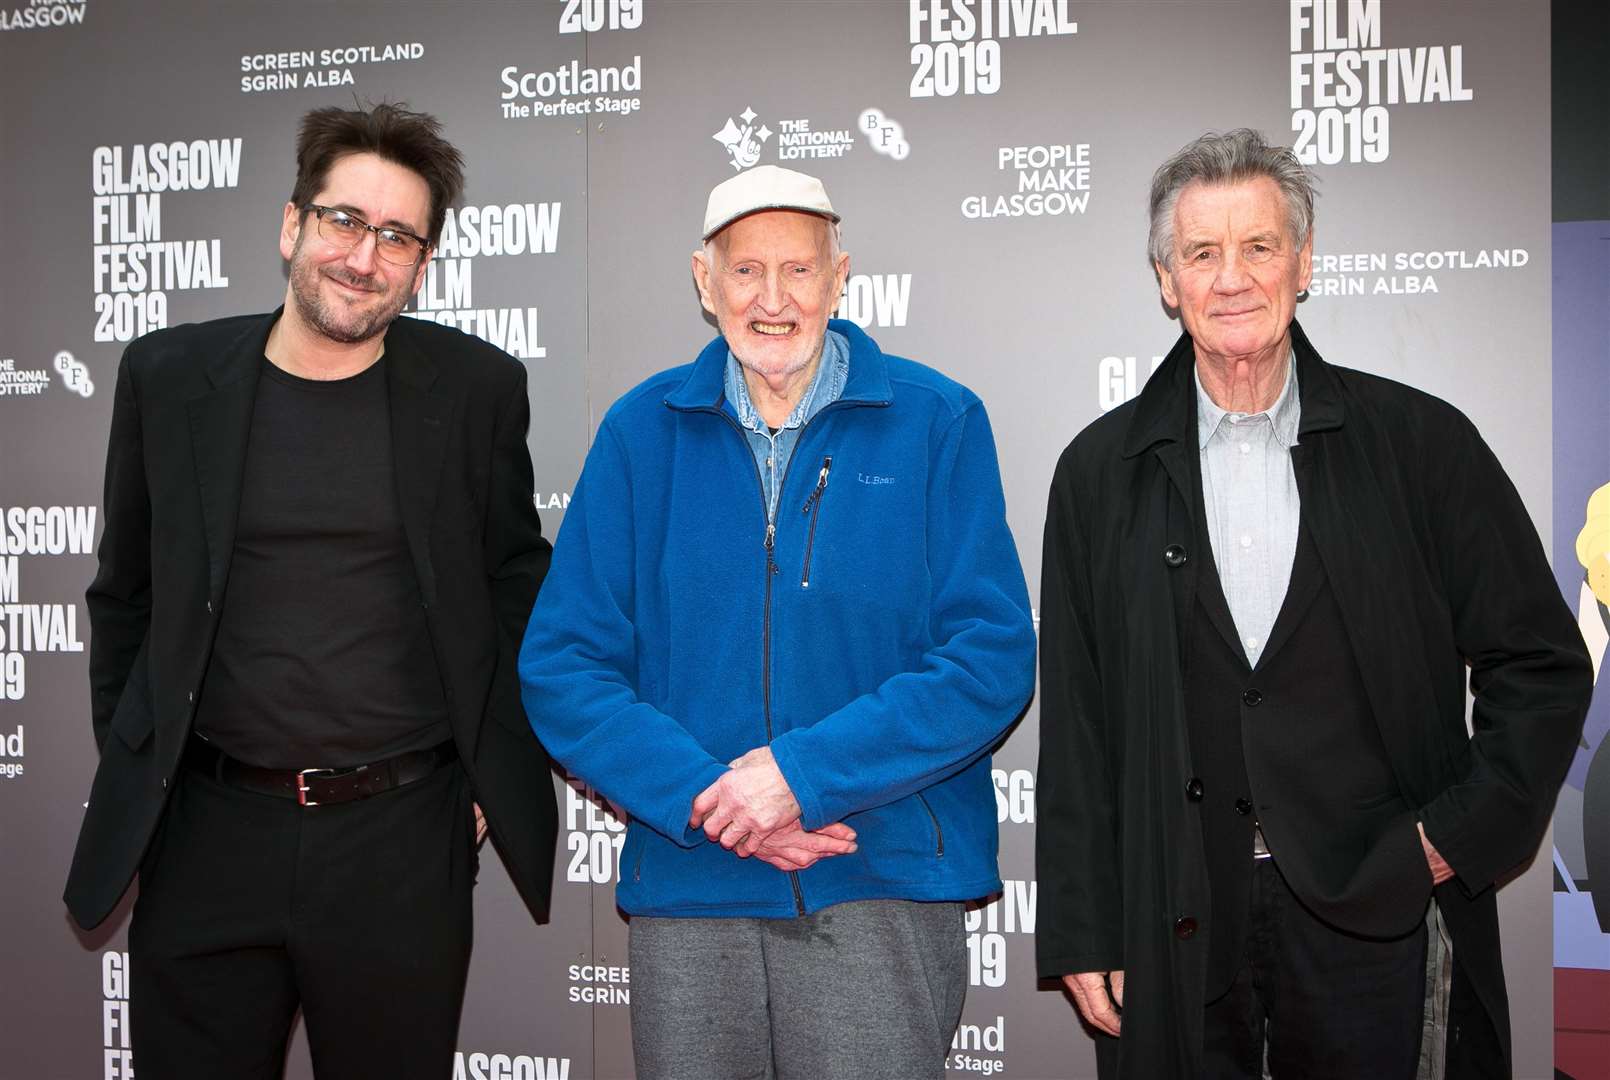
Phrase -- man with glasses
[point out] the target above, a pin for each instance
(320, 549)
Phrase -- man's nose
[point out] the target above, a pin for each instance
(773, 296)
(361, 257)
(1232, 275)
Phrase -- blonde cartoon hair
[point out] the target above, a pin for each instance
(1593, 545)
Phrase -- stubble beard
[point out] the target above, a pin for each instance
(328, 320)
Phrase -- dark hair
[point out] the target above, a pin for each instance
(393, 132)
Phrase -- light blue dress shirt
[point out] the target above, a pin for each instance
(1249, 490)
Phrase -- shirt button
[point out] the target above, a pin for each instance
(1253, 698)
(1185, 928)
(768, 463)
(1246, 541)
(1246, 448)
(1243, 807)
(1174, 556)
(1252, 643)
(1194, 789)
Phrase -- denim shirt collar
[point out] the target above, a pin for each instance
(826, 387)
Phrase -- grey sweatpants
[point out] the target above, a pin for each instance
(868, 989)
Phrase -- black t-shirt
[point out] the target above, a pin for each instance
(323, 657)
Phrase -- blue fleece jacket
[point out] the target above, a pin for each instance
(880, 645)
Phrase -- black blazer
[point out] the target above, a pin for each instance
(180, 420)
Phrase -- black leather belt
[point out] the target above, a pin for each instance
(319, 787)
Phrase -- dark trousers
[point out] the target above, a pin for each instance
(1328, 1003)
(251, 906)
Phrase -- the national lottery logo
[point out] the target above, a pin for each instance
(743, 144)
(21, 382)
(884, 135)
(43, 14)
(31, 382)
(797, 139)
(74, 376)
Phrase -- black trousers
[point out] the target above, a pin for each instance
(251, 906)
(1331, 1005)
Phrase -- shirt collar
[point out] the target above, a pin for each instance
(1283, 415)
(825, 388)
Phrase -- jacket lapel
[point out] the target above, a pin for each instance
(420, 420)
(220, 425)
(1165, 423)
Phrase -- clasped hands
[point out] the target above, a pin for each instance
(752, 811)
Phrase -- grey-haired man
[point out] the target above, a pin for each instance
(1262, 579)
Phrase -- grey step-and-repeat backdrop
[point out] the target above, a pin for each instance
(990, 158)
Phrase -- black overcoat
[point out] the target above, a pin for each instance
(174, 464)
(1436, 569)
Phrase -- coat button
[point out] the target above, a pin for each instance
(1252, 698)
(1174, 556)
(1243, 807)
(1194, 789)
(1185, 928)
(190, 696)
(209, 607)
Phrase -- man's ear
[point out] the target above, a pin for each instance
(1165, 282)
(290, 230)
(701, 278)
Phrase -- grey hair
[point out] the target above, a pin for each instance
(1230, 158)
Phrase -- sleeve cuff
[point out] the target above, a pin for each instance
(811, 815)
(678, 829)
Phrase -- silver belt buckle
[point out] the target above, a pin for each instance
(302, 788)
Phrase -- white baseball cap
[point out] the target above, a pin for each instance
(765, 187)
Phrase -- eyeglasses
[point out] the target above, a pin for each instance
(396, 246)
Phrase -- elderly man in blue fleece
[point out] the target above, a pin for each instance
(784, 626)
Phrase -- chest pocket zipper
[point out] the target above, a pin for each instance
(813, 507)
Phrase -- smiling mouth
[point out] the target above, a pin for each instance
(772, 329)
(349, 285)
